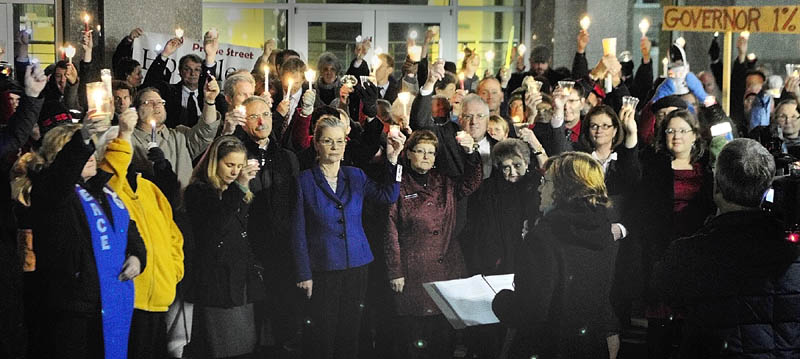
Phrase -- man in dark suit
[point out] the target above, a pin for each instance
(184, 106)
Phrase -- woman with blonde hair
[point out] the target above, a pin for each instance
(226, 281)
(564, 267)
(87, 248)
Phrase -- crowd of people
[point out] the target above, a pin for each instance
(264, 216)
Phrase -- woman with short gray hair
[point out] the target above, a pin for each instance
(327, 86)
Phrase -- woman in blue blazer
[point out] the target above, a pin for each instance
(331, 251)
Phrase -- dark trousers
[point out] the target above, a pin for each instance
(663, 337)
(335, 308)
(74, 335)
(148, 338)
(423, 337)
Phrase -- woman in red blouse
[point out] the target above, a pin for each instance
(675, 198)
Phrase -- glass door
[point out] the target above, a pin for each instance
(393, 28)
(318, 31)
(6, 37)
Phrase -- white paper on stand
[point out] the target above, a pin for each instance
(468, 302)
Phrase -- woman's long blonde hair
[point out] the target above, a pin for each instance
(206, 170)
(576, 175)
(34, 162)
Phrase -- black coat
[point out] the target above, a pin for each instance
(495, 216)
(563, 271)
(654, 221)
(274, 189)
(224, 263)
(63, 246)
(158, 76)
(449, 154)
(738, 278)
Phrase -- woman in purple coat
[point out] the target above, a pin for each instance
(420, 246)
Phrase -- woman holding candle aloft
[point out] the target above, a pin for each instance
(468, 77)
(329, 245)
(421, 247)
(87, 247)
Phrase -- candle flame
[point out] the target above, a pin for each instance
(461, 76)
(86, 18)
(413, 34)
(69, 51)
(153, 123)
(680, 42)
(310, 75)
(644, 25)
(745, 34)
(585, 22)
(179, 33)
(521, 49)
(489, 55)
(404, 97)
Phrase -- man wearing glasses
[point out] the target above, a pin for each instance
(474, 120)
(274, 191)
(177, 145)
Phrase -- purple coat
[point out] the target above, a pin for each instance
(420, 246)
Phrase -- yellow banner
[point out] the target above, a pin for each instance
(775, 19)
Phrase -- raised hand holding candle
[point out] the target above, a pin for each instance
(310, 75)
(644, 25)
(69, 51)
(585, 22)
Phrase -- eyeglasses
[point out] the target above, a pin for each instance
(155, 102)
(674, 131)
(787, 118)
(595, 127)
(258, 116)
(329, 142)
(423, 153)
(518, 166)
(479, 116)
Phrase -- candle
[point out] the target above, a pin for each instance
(394, 131)
(412, 35)
(376, 62)
(266, 79)
(359, 38)
(179, 33)
(460, 135)
(460, 56)
(105, 78)
(461, 80)
(415, 53)
(751, 57)
(644, 25)
(664, 65)
(153, 131)
(610, 46)
(745, 34)
(98, 97)
(521, 49)
(310, 75)
(86, 22)
(403, 97)
(70, 52)
(240, 110)
(289, 88)
(63, 52)
(680, 42)
(716, 34)
(516, 119)
(585, 22)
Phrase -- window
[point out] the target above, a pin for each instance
(38, 20)
(488, 31)
(238, 25)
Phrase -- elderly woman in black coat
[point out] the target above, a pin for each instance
(226, 280)
(564, 267)
(497, 211)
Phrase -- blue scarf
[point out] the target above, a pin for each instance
(109, 243)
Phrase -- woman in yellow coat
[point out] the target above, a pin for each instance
(155, 288)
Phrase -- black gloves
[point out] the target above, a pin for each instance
(713, 51)
(369, 97)
(156, 155)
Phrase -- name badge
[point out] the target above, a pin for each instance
(411, 196)
(399, 176)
